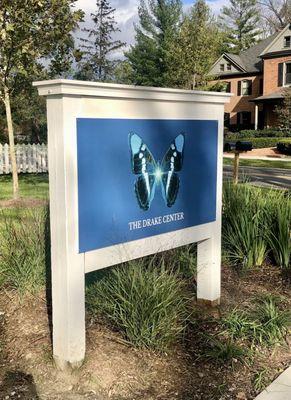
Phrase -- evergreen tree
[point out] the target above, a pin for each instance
(240, 21)
(198, 45)
(159, 22)
(97, 62)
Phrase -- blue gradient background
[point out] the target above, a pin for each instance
(106, 196)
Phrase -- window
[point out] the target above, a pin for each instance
(244, 88)
(284, 74)
(244, 119)
(228, 66)
(287, 74)
(287, 41)
(227, 87)
(221, 67)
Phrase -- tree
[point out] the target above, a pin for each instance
(240, 21)
(97, 62)
(149, 58)
(276, 13)
(284, 113)
(32, 31)
(196, 48)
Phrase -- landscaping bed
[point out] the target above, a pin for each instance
(147, 338)
(115, 370)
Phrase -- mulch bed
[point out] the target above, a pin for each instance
(115, 370)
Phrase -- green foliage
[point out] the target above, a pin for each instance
(195, 48)
(252, 133)
(279, 232)
(261, 379)
(284, 146)
(24, 247)
(244, 225)
(146, 303)
(237, 324)
(256, 222)
(261, 142)
(283, 112)
(266, 323)
(98, 48)
(274, 322)
(223, 351)
(158, 27)
(240, 20)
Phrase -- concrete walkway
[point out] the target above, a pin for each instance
(265, 158)
(280, 389)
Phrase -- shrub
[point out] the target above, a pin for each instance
(23, 249)
(147, 304)
(284, 146)
(252, 133)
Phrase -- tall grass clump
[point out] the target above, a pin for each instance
(148, 305)
(279, 233)
(273, 320)
(244, 225)
(23, 249)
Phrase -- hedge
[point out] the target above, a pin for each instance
(264, 133)
(261, 142)
(284, 146)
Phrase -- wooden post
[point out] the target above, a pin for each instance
(235, 167)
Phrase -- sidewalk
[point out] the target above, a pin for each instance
(280, 389)
(268, 153)
(265, 158)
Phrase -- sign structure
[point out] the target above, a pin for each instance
(133, 171)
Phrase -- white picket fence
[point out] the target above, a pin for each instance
(31, 158)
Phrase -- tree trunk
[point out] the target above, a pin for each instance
(11, 143)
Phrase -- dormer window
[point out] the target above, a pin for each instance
(287, 41)
(221, 67)
(228, 66)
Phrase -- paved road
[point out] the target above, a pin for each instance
(276, 177)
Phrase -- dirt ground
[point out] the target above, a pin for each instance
(115, 370)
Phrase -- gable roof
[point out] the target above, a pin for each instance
(251, 56)
(250, 61)
(275, 37)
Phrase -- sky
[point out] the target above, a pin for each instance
(126, 14)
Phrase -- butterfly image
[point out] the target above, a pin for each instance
(151, 173)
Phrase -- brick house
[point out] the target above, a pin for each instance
(257, 78)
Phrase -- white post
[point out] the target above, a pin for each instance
(209, 250)
(208, 270)
(256, 116)
(68, 273)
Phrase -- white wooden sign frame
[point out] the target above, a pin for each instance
(66, 101)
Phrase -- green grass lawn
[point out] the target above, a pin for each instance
(30, 186)
(259, 163)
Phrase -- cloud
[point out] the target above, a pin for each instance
(126, 14)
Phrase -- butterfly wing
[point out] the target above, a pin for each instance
(144, 165)
(171, 164)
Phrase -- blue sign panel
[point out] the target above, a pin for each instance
(138, 178)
